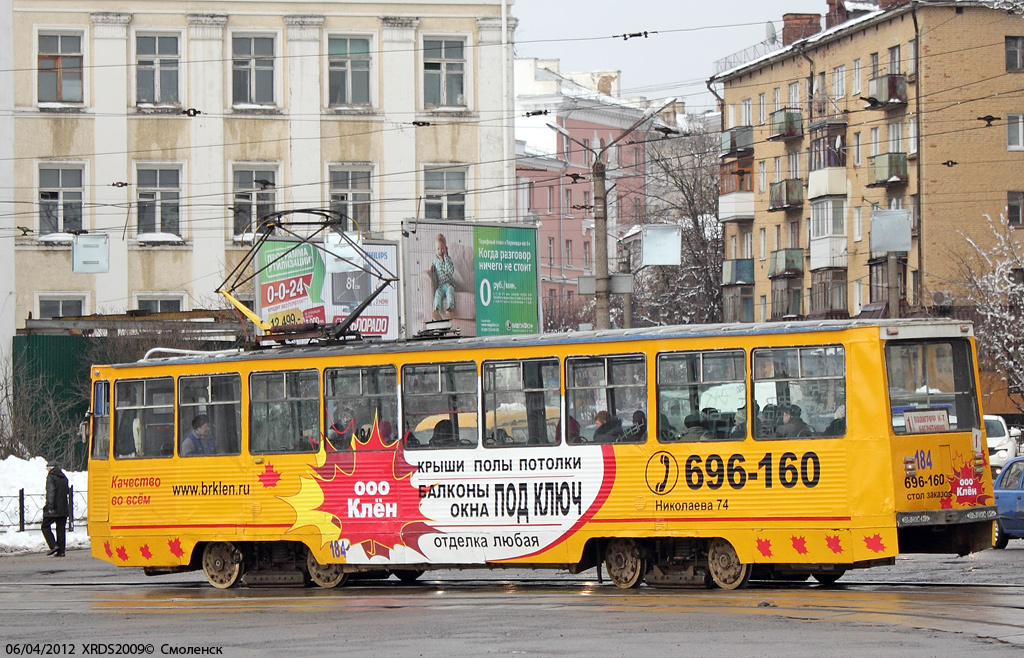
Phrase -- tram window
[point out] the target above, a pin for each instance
(521, 403)
(144, 418)
(439, 405)
(357, 397)
(217, 401)
(799, 392)
(100, 420)
(931, 386)
(702, 396)
(284, 412)
(604, 395)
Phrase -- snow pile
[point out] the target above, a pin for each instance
(17, 474)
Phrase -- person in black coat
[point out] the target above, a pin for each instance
(56, 509)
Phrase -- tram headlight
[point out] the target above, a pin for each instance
(910, 466)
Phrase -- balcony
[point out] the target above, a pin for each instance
(786, 194)
(785, 125)
(786, 263)
(738, 272)
(828, 252)
(736, 207)
(738, 142)
(888, 170)
(887, 91)
(828, 110)
(830, 181)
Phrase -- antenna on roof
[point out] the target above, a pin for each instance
(770, 35)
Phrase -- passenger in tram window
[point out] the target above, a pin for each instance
(574, 431)
(838, 425)
(792, 424)
(739, 430)
(639, 430)
(444, 435)
(666, 431)
(607, 429)
(384, 427)
(200, 440)
(694, 429)
(769, 419)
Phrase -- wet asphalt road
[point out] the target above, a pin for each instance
(922, 606)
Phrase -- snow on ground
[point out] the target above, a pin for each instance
(16, 474)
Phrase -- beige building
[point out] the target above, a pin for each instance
(895, 104)
(170, 127)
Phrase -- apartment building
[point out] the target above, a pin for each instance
(562, 122)
(172, 127)
(895, 104)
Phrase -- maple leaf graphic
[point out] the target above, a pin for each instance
(269, 477)
(874, 543)
(106, 547)
(145, 552)
(374, 474)
(834, 543)
(946, 503)
(764, 546)
(799, 544)
(175, 546)
(122, 553)
(965, 487)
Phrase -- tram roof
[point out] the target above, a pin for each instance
(526, 340)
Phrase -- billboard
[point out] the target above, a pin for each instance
(300, 283)
(482, 278)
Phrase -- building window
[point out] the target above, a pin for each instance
(60, 200)
(794, 96)
(159, 193)
(762, 244)
(738, 303)
(253, 70)
(444, 71)
(858, 234)
(1014, 132)
(763, 305)
(778, 169)
(896, 137)
(787, 298)
(348, 63)
(894, 61)
(551, 252)
(760, 109)
(568, 253)
(60, 307)
(586, 202)
(1015, 53)
(827, 148)
(873, 65)
(255, 198)
(828, 290)
(735, 176)
(873, 146)
(1014, 202)
(855, 77)
(839, 82)
(446, 193)
(776, 99)
(568, 203)
(762, 176)
(733, 250)
(896, 203)
(746, 111)
(551, 198)
(637, 211)
(878, 276)
(156, 70)
(350, 196)
(828, 218)
(794, 235)
(60, 68)
(912, 135)
(912, 57)
(586, 254)
(747, 239)
(856, 149)
(794, 165)
(159, 304)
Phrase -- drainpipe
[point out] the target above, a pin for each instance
(920, 156)
(721, 103)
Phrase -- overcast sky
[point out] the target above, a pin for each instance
(675, 62)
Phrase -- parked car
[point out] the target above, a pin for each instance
(1001, 446)
(1010, 501)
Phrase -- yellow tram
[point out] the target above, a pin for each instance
(674, 455)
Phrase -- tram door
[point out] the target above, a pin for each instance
(99, 453)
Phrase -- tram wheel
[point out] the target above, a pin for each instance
(408, 576)
(325, 575)
(623, 562)
(828, 578)
(999, 538)
(726, 569)
(222, 564)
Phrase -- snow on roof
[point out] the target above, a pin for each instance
(861, 5)
(814, 38)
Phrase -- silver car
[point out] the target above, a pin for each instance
(1001, 446)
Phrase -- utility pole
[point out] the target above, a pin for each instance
(894, 284)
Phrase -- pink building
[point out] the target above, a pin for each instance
(561, 125)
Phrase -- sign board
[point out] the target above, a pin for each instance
(926, 422)
(90, 254)
(482, 278)
(299, 283)
(618, 284)
(661, 245)
(890, 231)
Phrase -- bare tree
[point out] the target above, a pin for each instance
(682, 180)
(37, 417)
(991, 282)
(564, 315)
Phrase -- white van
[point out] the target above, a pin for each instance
(1001, 446)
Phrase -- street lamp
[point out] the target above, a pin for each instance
(602, 316)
